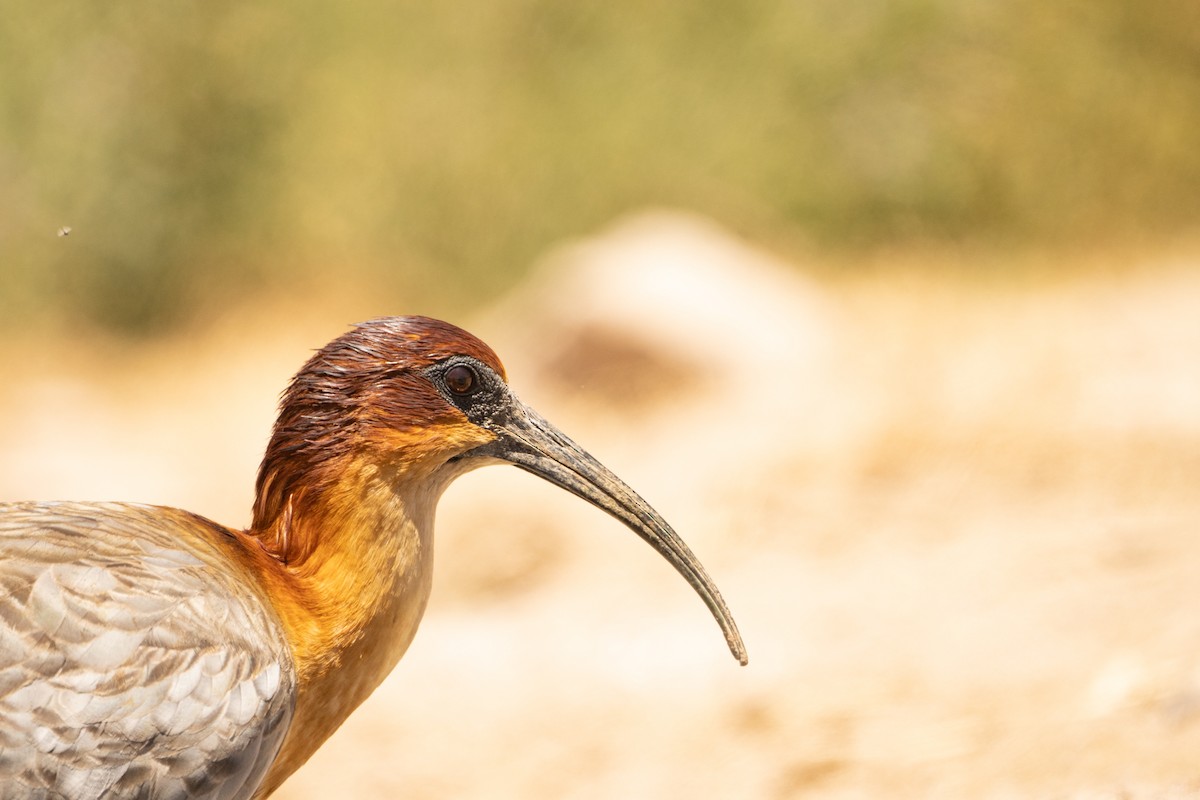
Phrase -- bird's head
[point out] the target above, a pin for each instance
(422, 401)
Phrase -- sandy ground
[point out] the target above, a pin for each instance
(958, 521)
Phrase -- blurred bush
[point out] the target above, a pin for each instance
(203, 150)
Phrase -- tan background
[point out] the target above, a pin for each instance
(956, 519)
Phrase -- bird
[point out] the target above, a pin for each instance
(149, 652)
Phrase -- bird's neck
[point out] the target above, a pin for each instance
(353, 595)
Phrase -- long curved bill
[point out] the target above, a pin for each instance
(533, 444)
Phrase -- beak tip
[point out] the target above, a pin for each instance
(738, 650)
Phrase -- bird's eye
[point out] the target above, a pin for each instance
(461, 379)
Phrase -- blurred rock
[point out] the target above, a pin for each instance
(699, 364)
(673, 329)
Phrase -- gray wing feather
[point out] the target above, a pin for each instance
(132, 661)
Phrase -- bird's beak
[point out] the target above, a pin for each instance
(527, 440)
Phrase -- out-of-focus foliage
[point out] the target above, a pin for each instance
(199, 150)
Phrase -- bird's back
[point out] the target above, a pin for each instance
(135, 659)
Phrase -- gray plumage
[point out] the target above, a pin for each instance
(133, 662)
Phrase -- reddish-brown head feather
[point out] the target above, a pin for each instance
(360, 396)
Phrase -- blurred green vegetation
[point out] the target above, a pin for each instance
(203, 151)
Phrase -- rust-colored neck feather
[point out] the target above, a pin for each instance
(343, 519)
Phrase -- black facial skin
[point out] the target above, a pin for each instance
(486, 400)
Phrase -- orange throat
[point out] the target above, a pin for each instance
(350, 589)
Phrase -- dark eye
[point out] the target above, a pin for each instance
(461, 379)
